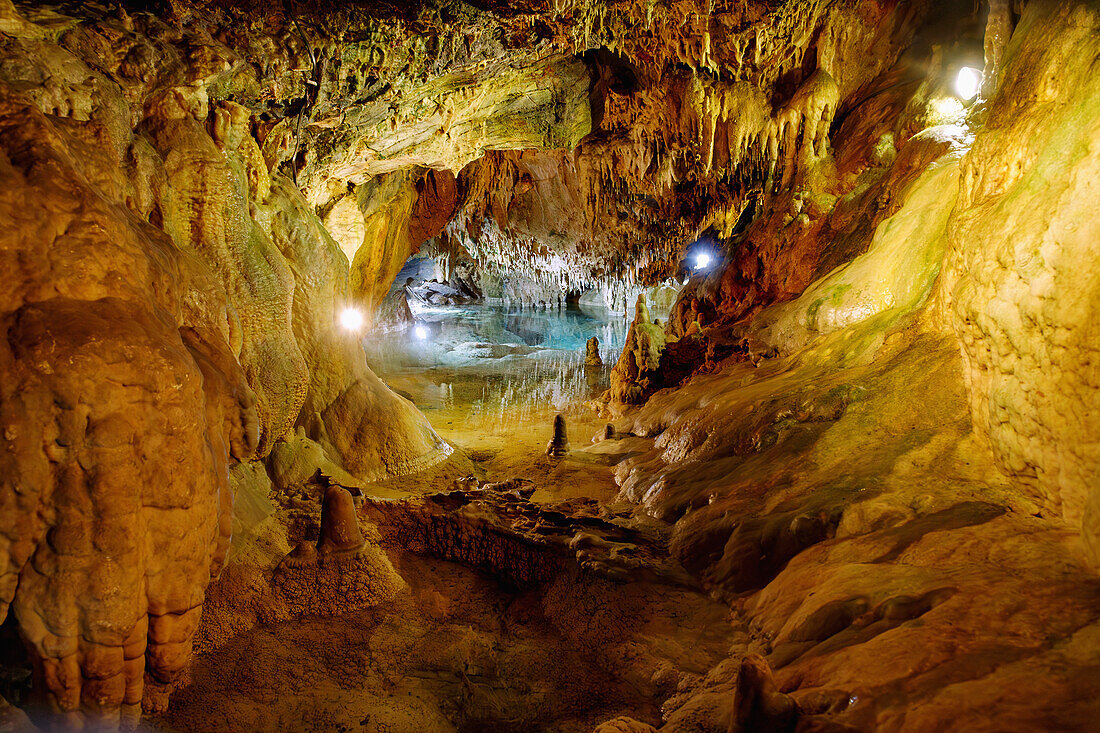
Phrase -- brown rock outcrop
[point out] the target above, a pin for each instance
(634, 376)
(885, 464)
(1019, 282)
(592, 352)
(339, 524)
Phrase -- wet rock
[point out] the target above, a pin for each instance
(592, 352)
(339, 524)
(558, 446)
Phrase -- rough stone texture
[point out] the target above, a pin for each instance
(457, 651)
(634, 377)
(519, 541)
(893, 526)
(592, 353)
(168, 310)
(122, 405)
(882, 598)
(548, 631)
(1021, 286)
(652, 359)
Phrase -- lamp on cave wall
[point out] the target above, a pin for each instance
(421, 331)
(351, 319)
(967, 83)
(702, 254)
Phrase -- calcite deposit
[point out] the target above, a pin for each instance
(838, 468)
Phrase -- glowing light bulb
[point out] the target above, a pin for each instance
(351, 319)
(702, 260)
(968, 82)
(421, 332)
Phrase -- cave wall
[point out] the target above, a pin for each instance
(985, 221)
(194, 199)
(122, 405)
(889, 473)
(169, 311)
(1020, 285)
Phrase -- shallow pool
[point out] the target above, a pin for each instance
(492, 367)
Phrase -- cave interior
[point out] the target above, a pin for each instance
(586, 366)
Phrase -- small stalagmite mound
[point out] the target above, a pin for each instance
(559, 444)
(339, 524)
(592, 353)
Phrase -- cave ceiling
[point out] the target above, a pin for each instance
(851, 477)
(563, 145)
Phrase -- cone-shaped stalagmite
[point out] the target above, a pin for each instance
(559, 444)
(632, 378)
(592, 352)
(339, 525)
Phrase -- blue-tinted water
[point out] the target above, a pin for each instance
(495, 362)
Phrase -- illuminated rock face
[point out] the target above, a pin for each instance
(1021, 280)
(884, 458)
(169, 310)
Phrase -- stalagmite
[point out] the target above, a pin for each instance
(592, 352)
(339, 523)
(558, 446)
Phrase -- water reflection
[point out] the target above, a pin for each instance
(494, 367)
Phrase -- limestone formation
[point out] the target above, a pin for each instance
(558, 446)
(592, 352)
(1017, 291)
(852, 480)
(634, 377)
(339, 525)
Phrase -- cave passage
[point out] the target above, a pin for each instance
(580, 366)
(491, 378)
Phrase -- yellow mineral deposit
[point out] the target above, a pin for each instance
(306, 424)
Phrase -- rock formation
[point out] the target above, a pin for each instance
(632, 379)
(592, 352)
(852, 483)
(559, 443)
(339, 525)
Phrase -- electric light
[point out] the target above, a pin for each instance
(351, 319)
(421, 332)
(702, 260)
(968, 82)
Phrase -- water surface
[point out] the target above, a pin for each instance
(486, 363)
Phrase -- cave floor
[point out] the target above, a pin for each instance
(456, 651)
(459, 649)
(491, 379)
(910, 591)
